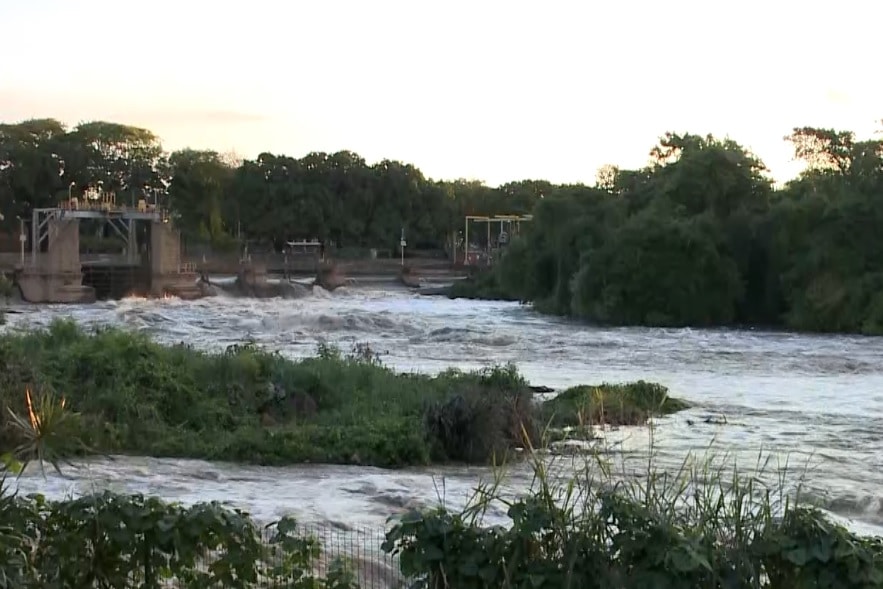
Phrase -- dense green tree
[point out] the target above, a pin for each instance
(127, 161)
(656, 271)
(32, 167)
(540, 266)
(699, 236)
(828, 244)
(199, 185)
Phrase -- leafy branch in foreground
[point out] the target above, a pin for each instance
(129, 541)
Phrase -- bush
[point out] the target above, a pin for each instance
(489, 419)
(481, 285)
(123, 541)
(110, 540)
(660, 530)
(7, 287)
(613, 404)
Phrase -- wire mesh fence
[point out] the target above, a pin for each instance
(358, 551)
(361, 551)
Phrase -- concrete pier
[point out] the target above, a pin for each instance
(168, 276)
(330, 277)
(251, 281)
(57, 275)
(53, 272)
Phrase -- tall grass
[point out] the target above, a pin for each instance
(592, 523)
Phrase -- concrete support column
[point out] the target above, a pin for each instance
(166, 273)
(165, 249)
(131, 240)
(57, 275)
(63, 254)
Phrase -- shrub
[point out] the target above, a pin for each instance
(613, 404)
(128, 541)
(7, 287)
(693, 529)
(481, 285)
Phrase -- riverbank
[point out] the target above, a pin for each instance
(634, 533)
(810, 400)
(135, 396)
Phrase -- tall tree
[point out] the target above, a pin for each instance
(199, 186)
(32, 167)
(127, 161)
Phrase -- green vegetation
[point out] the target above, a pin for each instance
(699, 237)
(215, 198)
(110, 540)
(6, 290)
(693, 529)
(480, 285)
(611, 404)
(129, 541)
(245, 404)
(696, 529)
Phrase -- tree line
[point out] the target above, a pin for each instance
(336, 198)
(699, 236)
(702, 237)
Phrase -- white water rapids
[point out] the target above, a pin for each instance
(818, 399)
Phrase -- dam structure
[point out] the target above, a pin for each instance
(150, 263)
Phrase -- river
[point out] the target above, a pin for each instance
(815, 400)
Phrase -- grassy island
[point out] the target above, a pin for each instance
(131, 395)
(124, 393)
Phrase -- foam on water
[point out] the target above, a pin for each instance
(817, 398)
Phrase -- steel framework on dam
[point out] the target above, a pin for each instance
(510, 222)
(121, 218)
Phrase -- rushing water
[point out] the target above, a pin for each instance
(816, 399)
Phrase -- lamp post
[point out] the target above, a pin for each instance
(403, 243)
(22, 237)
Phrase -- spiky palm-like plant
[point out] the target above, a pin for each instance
(44, 434)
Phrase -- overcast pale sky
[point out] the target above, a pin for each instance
(483, 89)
